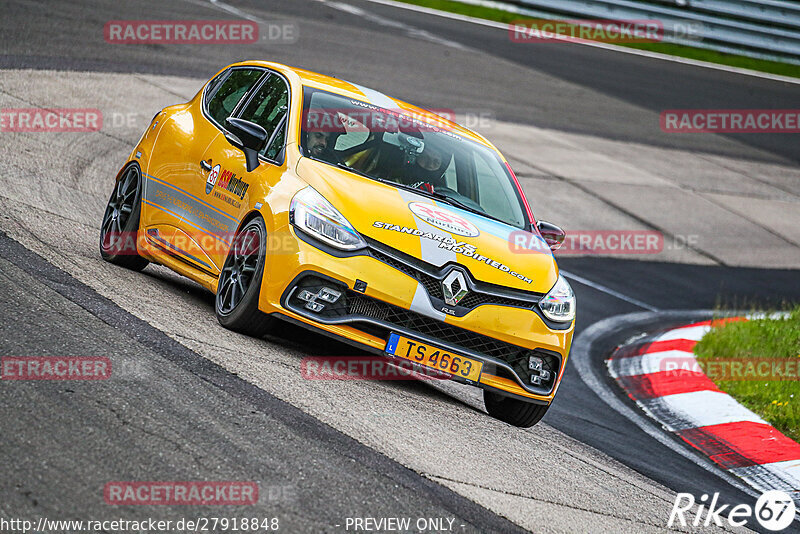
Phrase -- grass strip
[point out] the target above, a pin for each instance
(775, 341)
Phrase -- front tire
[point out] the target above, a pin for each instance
(513, 411)
(239, 283)
(120, 226)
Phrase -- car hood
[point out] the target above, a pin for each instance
(434, 231)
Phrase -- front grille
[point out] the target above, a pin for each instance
(367, 308)
(397, 264)
(360, 311)
(433, 284)
(514, 356)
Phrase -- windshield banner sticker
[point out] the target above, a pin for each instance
(444, 219)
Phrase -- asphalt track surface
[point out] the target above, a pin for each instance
(198, 420)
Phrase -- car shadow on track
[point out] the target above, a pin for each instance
(296, 339)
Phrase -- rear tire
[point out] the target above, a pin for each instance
(120, 226)
(513, 411)
(239, 286)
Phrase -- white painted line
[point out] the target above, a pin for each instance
(606, 46)
(693, 333)
(652, 362)
(784, 476)
(696, 409)
(411, 31)
(789, 469)
(608, 291)
(235, 11)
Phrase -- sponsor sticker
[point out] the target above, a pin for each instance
(444, 219)
(226, 181)
(212, 179)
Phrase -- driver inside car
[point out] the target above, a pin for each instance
(427, 170)
(424, 170)
(319, 144)
(322, 131)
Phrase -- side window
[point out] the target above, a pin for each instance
(235, 86)
(213, 85)
(268, 108)
(274, 148)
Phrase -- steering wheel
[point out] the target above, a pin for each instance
(425, 186)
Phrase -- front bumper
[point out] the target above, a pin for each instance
(497, 329)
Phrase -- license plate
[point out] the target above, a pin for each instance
(434, 357)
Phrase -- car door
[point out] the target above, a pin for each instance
(228, 184)
(178, 219)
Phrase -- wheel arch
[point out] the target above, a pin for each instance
(264, 212)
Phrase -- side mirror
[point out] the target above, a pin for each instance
(248, 136)
(552, 234)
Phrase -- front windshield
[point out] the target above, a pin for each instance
(392, 146)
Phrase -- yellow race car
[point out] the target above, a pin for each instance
(295, 196)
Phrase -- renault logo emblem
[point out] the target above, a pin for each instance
(454, 287)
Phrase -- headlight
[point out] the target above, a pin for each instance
(559, 303)
(314, 215)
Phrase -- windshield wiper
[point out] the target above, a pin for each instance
(351, 169)
(457, 203)
(436, 195)
(408, 188)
